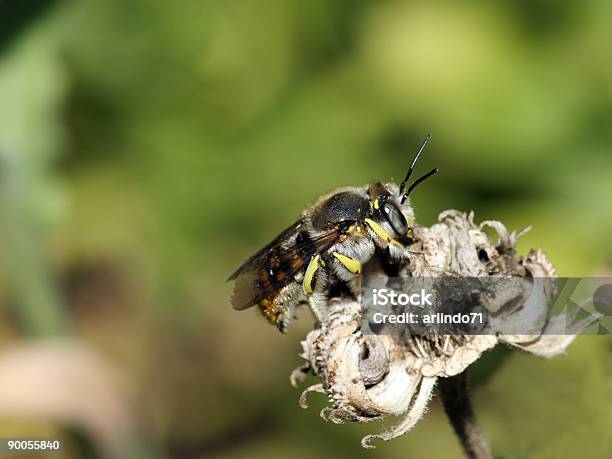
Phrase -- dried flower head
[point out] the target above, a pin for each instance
(367, 377)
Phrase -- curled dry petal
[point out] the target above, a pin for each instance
(374, 361)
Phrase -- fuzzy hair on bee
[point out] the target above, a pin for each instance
(331, 240)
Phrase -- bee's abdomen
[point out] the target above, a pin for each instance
(273, 275)
(270, 311)
(278, 274)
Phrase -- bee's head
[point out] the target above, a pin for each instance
(391, 217)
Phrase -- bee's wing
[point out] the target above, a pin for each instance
(253, 280)
(257, 257)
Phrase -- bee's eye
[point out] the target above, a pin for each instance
(395, 218)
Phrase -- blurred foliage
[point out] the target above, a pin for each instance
(147, 148)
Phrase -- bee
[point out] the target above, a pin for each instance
(331, 240)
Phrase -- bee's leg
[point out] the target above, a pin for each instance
(318, 306)
(289, 304)
(349, 270)
(352, 265)
(313, 285)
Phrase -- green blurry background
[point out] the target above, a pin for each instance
(148, 147)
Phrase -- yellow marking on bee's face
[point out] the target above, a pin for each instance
(410, 233)
(376, 204)
(315, 263)
(351, 264)
(380, 231)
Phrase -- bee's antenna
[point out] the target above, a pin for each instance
(419, 180)
(414, 161)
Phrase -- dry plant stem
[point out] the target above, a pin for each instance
(458, 407)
